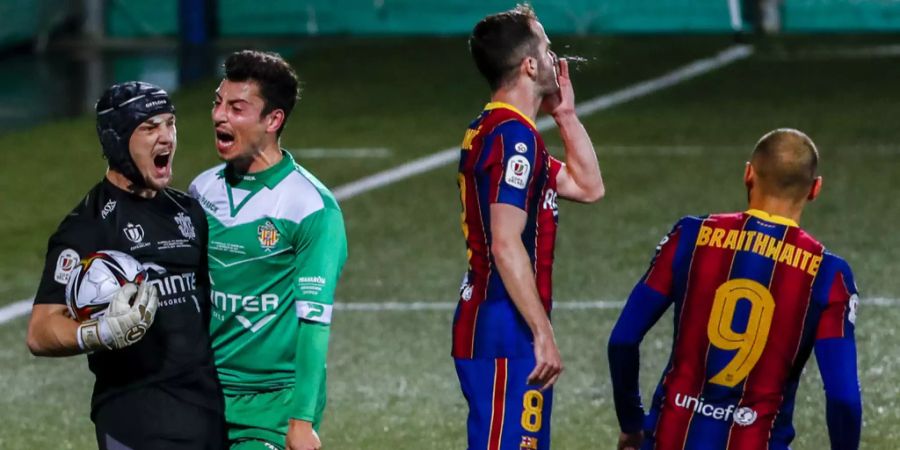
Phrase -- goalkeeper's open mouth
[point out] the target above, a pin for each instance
(162, 163)
(162, 160)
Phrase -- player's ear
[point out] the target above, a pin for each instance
(815, 189)
(274, 120)
(749, 175)
(530, 66)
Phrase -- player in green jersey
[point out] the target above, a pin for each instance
(276, 249)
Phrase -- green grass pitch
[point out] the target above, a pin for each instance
(675, 152)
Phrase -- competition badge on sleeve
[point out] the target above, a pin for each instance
(517, 171)
(66, 262)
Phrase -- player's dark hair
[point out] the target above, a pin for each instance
(278, 83)
(500, 41)
(786, 161)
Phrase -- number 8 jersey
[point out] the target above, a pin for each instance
(753, 295)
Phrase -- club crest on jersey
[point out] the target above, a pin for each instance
(528, 443)
(517, 170)
(268, 235)
(185, 226)
(134, 233)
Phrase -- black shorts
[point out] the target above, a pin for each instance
(152, 418)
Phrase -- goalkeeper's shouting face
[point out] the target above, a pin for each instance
(251, 106)
(152, 147)
(136, 127)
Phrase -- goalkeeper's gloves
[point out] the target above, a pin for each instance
(124, 323)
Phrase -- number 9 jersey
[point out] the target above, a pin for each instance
(754, 294)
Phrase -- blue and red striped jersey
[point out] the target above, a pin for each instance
(753, 295)
(503, 160)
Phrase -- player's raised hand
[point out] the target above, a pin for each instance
(301, 436)
(630, 441)
(548, 365)
(562, 102)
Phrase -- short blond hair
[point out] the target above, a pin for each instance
(786, 162)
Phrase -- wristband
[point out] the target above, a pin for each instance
(89, 336)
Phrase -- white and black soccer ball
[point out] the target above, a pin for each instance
(96, 280)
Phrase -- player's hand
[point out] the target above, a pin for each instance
(630, 441)
(301, 436)
(561, 102)
(126, 321)
(548, 365)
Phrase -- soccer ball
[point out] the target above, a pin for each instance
(96, 280)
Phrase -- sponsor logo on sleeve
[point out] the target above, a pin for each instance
(311, 285)
(67, 261)
(550, 202)
(854, 306)
(517, 170)
(662, 242)
(521, 147)
(207, 203)
(314, 312)
(466, 288)
(109, 207)
(466, 294)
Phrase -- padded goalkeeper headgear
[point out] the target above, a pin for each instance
(120, 110)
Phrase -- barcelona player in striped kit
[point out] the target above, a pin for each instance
(754, 296)
(504, 348)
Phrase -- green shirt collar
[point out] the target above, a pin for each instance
(269, 177)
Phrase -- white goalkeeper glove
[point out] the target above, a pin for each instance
(124, 323)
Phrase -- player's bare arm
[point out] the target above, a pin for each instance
(580, 179)
(507, 224)
(51, 332)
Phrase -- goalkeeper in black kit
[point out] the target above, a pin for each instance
(156, 385)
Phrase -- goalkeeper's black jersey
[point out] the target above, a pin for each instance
(167, 233)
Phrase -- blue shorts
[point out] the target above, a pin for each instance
(505, 413)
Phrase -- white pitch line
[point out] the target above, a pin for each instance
(22, 307)
(449, 155)
(351, 153)
(449, 306)
(835, 53)
(14, 310)
(398, 306)
(446, 156)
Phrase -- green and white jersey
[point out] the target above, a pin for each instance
(276, 248)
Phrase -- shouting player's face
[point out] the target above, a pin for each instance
(152, 146)
(241, 128)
